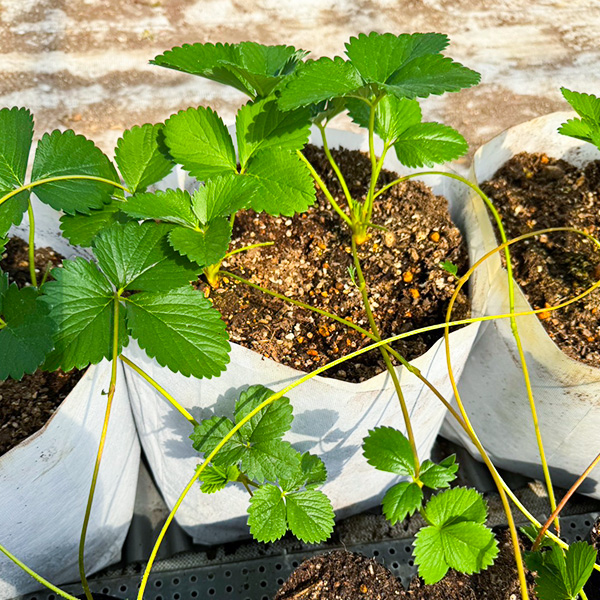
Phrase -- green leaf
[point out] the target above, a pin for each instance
(252, 68)
(223, 196)
(320, 80)
(198, 140)
(82, 229)
(268, 424)
(81, 302)
(267, 514)
(387, 449)
(209, 433)
(580, 559)
(314, 470)
(26, 338)
(449, 267)
(3, 242)
(457, 504)
(271, 460)
(142, 156)
(378, 56)
(138, 257)
(171, 206)
(3, 284)
(262, 125)
(206, 246)
(181, 329)
(430, 74)
(585, 105)
(579, 129)
(438, 476)
(428, 144)
(64, 153)
(285, 184)
(310, 516)
(12, 211)
(216, 478)
(402, 500)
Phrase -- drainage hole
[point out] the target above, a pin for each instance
(261, 569)
(263, 583)
(392, 550)
(229, 589)
(193, 579)
(194, 594)
(246, 586)
(244, 571)
(158, 583)
(587, 524)
(375, 552)
(395, 565)
(211, 576)
(280, 581)
(408, 549)
(175, 581)
(212, 591)
(278, 566)
(51, 597)
(176, 596)
(105, 590)
(294, 563)
(265, 598)
(411, 563)
(227, 573)
(158, 598)
(123, 588)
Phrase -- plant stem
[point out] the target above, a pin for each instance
(562, 503)
(159, 389)
(324, 189)
(386, 358)
(109, 401)
(583, 595)
(37, 577)
(31, 249)
(335, 167)
(246, 248)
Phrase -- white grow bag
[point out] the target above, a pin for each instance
(331, 417)
(44, 481)
(566, 391)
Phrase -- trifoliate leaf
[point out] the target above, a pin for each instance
(402, 500)
(270, 423)
(586, 106)
(26, 337)
(223, 196)
(216, 478)
(198, 140)
(262, 125)
(378, 56)
(81, 302)
(16, 134)
(387, 449)
(457, 504)
(310, 516)
(252, 68)
(430, 74)
(267, 514)
(181, 329)
(171, 206)
(320, 80)
(142, 156)
(206, 245)
(81, 230)
(428, 144)
(271, 460)
(285, 184)
(64, 153)
(209, 433)
(138, 256)
(438, 476)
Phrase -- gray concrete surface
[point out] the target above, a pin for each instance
(83, 64)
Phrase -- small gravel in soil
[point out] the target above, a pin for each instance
(534, 191)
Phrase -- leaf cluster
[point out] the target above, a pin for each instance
(256, 454)
(586, 128)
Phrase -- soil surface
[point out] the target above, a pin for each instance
(534, 191)
(343, 575)
(26, 405)
(310, 262)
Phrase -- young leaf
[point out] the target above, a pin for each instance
(270, 423)
(456, 536)
(138, 257)
(82, 229)
(438, 476)
(205, 246)
(318, 80)
(449, 267)
(81, 302)
(428, 144)
(198, 140)
(64, 153)
(16, 134)
(262, 126)
(26, 338)
(171, 206)
(267, 514)
(387, 449)
(314, 470)
(181, 329)
(216, 478)
(142, 156)
(402, 500)
(223, 196)
(285, 184)
(209, 432)
(310, 516)
(271, 460)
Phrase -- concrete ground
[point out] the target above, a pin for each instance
(83, 64)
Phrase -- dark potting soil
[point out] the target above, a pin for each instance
(343, 575)
(26, 405)
(309, 262)
(534, 191)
